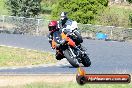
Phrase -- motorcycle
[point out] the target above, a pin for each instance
(69, 50)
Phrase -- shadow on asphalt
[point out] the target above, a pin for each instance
(71, 67)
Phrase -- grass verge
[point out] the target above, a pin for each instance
(74, 85)
(22, 57)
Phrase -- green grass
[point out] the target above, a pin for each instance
(22, 57)
(73, 85)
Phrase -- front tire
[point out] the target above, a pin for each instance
(86, 61)
(73, 61)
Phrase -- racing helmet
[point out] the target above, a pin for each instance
(63, 17)
(52, 26)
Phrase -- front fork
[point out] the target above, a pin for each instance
(77, 57)
(81, 52)
(74, 56)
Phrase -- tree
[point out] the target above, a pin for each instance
(130, 1)
(83, 11)
(25, 8)
(130, 19)
(47, 6)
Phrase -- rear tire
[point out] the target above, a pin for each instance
(72, 61)
(86, 61)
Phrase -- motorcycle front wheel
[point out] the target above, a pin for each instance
(73, 61)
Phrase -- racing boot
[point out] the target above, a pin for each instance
(59, 55)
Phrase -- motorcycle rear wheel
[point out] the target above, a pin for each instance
(86, 61)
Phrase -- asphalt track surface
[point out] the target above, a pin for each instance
(106, 57)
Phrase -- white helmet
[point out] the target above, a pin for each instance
(63, 15)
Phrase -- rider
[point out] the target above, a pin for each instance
(54, 33)
(52, 26)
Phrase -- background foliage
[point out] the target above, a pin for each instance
(130, 1)
(115, 16)
(47, 6)
(24, 8)
(83, 11)
(89, 11)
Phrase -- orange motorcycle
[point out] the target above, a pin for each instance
(68, 49)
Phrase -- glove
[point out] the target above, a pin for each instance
(62, 41)
(58, 45)
(69, 33)
(52, 48)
